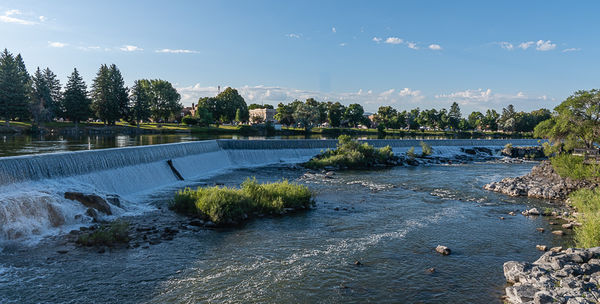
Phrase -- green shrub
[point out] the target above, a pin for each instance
(115, 232)
(189, 120)
(567, 165)
(352, 154)
(426, 149)
(411, 153)
(223, 205)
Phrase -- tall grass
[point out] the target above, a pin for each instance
(223, 205)
(426, 149)
(351, 154)
(587, 202)
(567, 165)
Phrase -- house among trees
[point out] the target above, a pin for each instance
(262, 115)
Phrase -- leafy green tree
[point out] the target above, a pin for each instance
(141, 100)
(229, 101)
(203, 116)
(254, 106)
(354, 114)
(14, 88)
(464, 125)
(491, 120)
(335, 113)
(285, 114)
(476, 120)
(76, 103)
(306, 115)
(239, 116)
(576, 122)
(386, 115)
(165, 100)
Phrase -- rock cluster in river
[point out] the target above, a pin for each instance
(541, 182)
(559, 276)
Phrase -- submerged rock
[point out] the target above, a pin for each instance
(90, 200)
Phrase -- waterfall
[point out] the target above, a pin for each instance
(32, 187)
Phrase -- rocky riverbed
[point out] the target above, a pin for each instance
(559, 276)
(541, 182)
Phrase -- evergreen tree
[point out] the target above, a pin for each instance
(40, 97)
(14, 87)
(119, 92)
(76, 102)
(101, 96)
(454, 116)
(141, 100)
(53, 106)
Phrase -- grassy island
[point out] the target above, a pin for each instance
(229, 206)
(106, 235)
(350, 154)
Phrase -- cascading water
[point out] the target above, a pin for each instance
(32, 187)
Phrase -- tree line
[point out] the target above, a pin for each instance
(41, 98)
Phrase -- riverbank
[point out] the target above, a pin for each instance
(68, 128)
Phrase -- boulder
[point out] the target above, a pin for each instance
(90, 200)
(443, 250)
(541, 247)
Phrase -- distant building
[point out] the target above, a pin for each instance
(262, 115)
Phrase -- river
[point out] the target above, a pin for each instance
(390, 220)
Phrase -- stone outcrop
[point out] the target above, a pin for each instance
(536, 152)
(541, 182)
(568, 276)
(90, 200)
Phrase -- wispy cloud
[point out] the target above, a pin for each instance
(10, 16)
(435, 47)
(89, 48)
(526, 45)
(333, 30)
(177, 51)
(482, 99)
(412, 45)
(506, 45)
(42, 18)
(293, 35)
(56, 44)
(130, 48)
(376, 39)
(343, 44)
(542, 45)
(571, 50)
(393, 40)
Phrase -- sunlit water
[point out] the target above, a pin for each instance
(389, 220)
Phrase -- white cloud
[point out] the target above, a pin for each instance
(343, 44)
(88, 48)
(130, 48)
(435, 47)
(525, 45)
(9, 17)
(333, 30)
(409, 92)
(292, 35)
(571, 50)
(377, 39)
(482, 100)
(412, 45)
(506, 45)
(178, 51)
(547, 45)
(56, 44)
(393, 40)
(42, 18)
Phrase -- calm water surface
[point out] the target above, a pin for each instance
(389, 220)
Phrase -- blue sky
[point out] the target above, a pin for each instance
(406, 54)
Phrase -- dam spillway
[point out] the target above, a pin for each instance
(32, 187)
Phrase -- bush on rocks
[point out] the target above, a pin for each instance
(351, 154)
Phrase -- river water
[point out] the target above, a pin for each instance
(390, 220)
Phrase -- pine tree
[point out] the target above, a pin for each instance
(76, 101)
(53, 105)
(119, 92)
(141, 99)
(13, 87)
(101, 96)
(40, 97)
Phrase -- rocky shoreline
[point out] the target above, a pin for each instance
(541, 182)
(559, 276)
